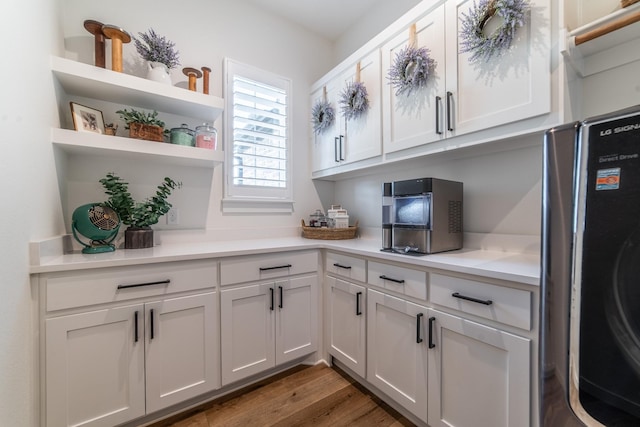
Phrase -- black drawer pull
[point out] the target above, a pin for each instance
(383, 277)
(358, 310)
(151, 323)
(418, 334)
(431, 322)
(438, 107)
(137, 285)
(346, 267)
(280, 304)
(135, 327)
(479, 301)
(271, 306)
(449, 111)
(275, 268)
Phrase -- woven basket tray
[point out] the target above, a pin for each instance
(329, 233)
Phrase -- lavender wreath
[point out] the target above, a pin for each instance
(483, 47)
(354, 100)
(322, 116)
(411, 70)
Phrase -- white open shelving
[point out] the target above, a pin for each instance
(607, 51)
(79, 79)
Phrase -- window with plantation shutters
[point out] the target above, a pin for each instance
(258, 154)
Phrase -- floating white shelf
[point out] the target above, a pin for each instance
(612, 49)
(87, 143)
(88, 81)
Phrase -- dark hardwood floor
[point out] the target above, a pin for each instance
(302, 396)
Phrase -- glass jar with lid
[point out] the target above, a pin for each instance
(206, 136)
(182, 136)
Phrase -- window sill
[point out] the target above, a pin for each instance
(257, 206)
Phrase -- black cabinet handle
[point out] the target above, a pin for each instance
(449, 111)
(383, 277)
(418, 334)
(280, 304)
(466, 298)
(135, 326)
(271, 306)
(275, 268)
(151, 321)
(335, 149)
(438, 107)
(358, 311)
(431, 322)
(346, 267)
(341, 138)
(137, 285)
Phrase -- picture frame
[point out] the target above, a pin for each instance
(87, 119)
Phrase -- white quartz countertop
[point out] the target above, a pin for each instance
(516, 267)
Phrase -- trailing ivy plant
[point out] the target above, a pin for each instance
(137, 214)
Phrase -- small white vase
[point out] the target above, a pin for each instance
(157, 71)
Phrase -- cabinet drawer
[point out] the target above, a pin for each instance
(67, 290)
(398, 279)
(504, 305)
(346, 266)
(260, 267)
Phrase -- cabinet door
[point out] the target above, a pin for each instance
(411, 120)
(95, 367)
(397, 350)
(181, 349)
(362, 135)
(478, 376)
(347, 324)
(297, 318)
(325, 145)
(247, 331)
(506, 89)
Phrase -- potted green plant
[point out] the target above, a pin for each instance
(143, 125)
(139, 216)
(160, 54)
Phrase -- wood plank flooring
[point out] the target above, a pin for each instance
(302, 396)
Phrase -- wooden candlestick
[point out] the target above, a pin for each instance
(193, 74)
(95, 28)
(205, 80)
(118, 36)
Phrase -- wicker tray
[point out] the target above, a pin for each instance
(329, 233)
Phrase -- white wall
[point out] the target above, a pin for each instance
(204, 33)
(30, 200)
(377, 19)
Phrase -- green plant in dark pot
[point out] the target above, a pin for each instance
(139, 216)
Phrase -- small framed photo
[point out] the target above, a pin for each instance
(87, 119)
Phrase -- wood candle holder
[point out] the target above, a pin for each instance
(95, 28)
(118, 36)
(193, 74)
(206, 71)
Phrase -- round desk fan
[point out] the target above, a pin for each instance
(97, 222)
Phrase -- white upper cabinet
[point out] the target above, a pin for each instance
(355, 139)
(507, 88)
(416, 119)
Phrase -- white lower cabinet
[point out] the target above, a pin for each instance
(446, 370)
(109, 366)
(347, 323)
(397, 350)
(478, 376)
(267, 324)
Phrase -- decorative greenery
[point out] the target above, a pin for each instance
(133, 214)
(135, 116)
(354, 100)
(411, 70)
(154, 48)
(322, 115)
(483, 47)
